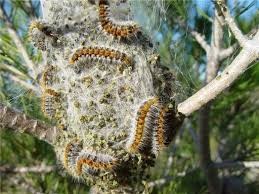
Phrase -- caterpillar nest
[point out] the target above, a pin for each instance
(113, 98)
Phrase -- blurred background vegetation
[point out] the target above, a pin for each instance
(234, 118)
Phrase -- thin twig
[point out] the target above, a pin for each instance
(43, 168)
(195, 138)
(22, 50)
(168, 179)
(242, 40)
(25, 185)
(224, 53)
(244, 164)
(201, 40)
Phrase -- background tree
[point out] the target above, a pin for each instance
(231, 136)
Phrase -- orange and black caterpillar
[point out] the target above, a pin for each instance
(101, 53)
(43, 27)
(49, 100)
(78, 160)
(166, 129)
(90, 162)
(109, 26)
(47, 77)
(141, 133)
(71, 151)
(155, 128)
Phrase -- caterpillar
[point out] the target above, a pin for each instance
(158, 141)
(41, 26)
(166, 129)
(113, 28)
(92, 162)
(100, 52)
(156, 126)
(71, 152)
(145, 122)
(48, 102)
(40, 33)
(89, 53)
(46, 78)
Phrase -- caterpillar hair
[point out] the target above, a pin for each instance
(71, 152)
(49, 101)
(166, 131)
(110, 26)
(139, 138)
(41, 26)
(92, 162)
(46, 77)
(100, 53)
(158, 141)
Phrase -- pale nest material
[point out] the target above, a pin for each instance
(99, 102)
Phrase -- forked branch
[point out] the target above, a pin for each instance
(248, 54)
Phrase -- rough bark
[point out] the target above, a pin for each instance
(19, 122)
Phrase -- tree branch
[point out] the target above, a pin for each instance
(227, 52)
(19, 122)
(43, 168)
(245, 164)
(211, 174)
(201, 40)
(242, 40)
(248, 54)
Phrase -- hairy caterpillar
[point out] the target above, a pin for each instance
(113, 28)
(41, 26)
(158, 141)
(48, 102)
(100, 52)
(71, 152)
(144, 127)
(78, 160)
(94, 161)
(155, 127)
(46, 78)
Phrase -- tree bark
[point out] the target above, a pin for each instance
(19, 122)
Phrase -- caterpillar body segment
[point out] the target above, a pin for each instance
(43, 27)
(93, 162)
(71, 152)
(140, 134)
(171, 123)
(46, 77)
(79, 160)
(116, 29)
(156, 126)
(49, 102)
(100, 53)
(159, 136)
